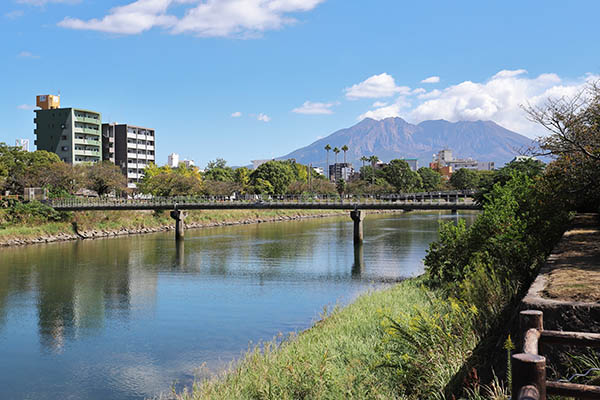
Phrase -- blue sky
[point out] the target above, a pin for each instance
(254, 79)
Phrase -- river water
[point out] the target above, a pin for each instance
(131, 317)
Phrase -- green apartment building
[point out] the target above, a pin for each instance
(74, 134)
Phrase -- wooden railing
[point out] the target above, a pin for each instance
(529, 367)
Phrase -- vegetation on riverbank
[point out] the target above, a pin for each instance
(37, 220)
(422, 338)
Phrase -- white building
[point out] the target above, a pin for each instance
(173, 160)
(188, 163)
(22, 144)
(445, 158)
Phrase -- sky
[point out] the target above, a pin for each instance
(257, 79)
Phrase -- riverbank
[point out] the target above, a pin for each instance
(100, 224)
(103, 224)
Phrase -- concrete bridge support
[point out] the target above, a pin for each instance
(358, 216)
(179, 216)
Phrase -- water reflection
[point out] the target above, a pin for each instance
(71, 314)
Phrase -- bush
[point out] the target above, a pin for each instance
(32, 213)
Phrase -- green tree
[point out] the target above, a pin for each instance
(242, 178)
(373, 160)
(104, 178)
(219, 171)
(432, 180)
(464, 179)
(336, 151)
(279, 174)
(399, 175)
(165, 181)
(340, 186)
(344, 149)
(327, 148)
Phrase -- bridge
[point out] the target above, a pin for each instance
(356, 204)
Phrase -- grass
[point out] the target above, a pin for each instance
(123, 220)
(346, 355)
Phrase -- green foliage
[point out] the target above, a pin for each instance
(32, 212)
(399, 175)
(105, 177)
(219, 171)
(464, 179)
(432, 180)
(340, 186)
(165, 181)
(278, 174)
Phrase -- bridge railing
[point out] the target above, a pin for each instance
(430, 197)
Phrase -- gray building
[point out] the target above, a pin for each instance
(339, 171)
(130, 147)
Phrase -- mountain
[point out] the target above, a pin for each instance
(392, 138)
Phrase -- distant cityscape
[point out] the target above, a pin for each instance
(78, 136)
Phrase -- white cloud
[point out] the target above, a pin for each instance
(378, 104)
(388, 110)
(377, 86)
(27, 107)
(236, 114)
(14, 14)
(500, 99)
(27, 54)
(209, 18)
(314, 108)
(431, 79)
(44, 2)
(263, 117)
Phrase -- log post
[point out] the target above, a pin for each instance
(529, 319)
(529, 370)
(358, 217)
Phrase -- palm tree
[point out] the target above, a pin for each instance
(336, 151)
(327, 148)
(363, 159)
(344, 149)
(373, 159)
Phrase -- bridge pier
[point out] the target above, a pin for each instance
(179, 216)
(357, 216)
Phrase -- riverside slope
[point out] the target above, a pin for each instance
(393, 138)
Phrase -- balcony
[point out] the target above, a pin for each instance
(95, 153)
(88, 120)
(87, 142)
(88, 131)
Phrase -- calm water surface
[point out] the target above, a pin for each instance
(125, 318)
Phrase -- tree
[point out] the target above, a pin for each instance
(464, 179)
(574, 123)
(105, 177)
(432, 180)
(279, 174)
(344, 149)
(219, 171)
(242, 178)
(364, 159)
(373, 160)
(340, 186)
(166, 181)
(327, 148)
(399, 175)
(336, 151)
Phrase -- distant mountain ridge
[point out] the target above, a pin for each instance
(392, 138)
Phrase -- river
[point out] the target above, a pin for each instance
(131, 317)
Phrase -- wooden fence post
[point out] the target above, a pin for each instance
(528, 370)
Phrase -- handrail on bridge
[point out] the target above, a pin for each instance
(304, 199)
(529, 368)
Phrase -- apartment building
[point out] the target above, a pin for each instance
(130, 147)
(339, 171)
(74, 134)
